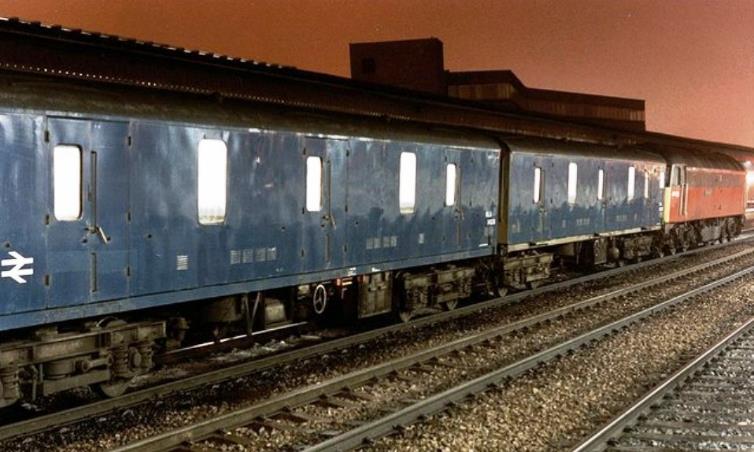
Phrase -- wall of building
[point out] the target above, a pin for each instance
(418, 64)
(414, 64)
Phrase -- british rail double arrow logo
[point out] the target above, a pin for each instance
(18, 263)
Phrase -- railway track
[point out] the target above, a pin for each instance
(703, 405)
(244, 341)
(70, 416)
(292, 412)
(237, 342)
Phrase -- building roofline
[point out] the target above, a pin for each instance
(546, 93)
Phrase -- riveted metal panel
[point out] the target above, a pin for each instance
(150, 250)
(163, 208)
(68, 248)
(109, 200)
(377, 230)
(23, 210)
(264, 236)
(554, 217)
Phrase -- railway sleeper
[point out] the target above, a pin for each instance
(105, 354)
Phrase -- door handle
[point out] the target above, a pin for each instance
(330, 219)
(99, 232)
(102, 235)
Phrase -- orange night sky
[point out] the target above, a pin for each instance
(692, 60)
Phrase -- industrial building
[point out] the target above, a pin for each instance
(387, 63)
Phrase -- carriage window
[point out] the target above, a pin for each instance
(600, 184)
(573, 171)
(212, 181)
(450, 184)
(661, 179)
(313, 184)
(537, 184)
(677, 176)
(407, 182)
(646, 184)
(66, 179)
(631, 183)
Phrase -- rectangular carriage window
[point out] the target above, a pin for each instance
(537, 193)
(646, 184)
(600, 184)
(675, 176)
(573, 171)
(407, 182)
(450, 184)
(661, 179)
(313, 184)
(630, 188)
(66, 179)
(212, 181)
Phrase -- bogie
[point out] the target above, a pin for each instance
(105, 354)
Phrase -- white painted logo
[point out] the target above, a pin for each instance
(18, 263)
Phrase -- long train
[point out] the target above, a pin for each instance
(133, 218)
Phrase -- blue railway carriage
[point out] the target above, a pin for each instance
(131, 217)
(581, 203)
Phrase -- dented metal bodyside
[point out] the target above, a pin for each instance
(138, 243)
(551, 218)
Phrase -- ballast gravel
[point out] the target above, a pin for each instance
(464, 365)
(552, 407)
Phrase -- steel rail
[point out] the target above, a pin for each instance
(439, 402)
(599, 440)
(346, 382)
(101, 407)
(227, 344)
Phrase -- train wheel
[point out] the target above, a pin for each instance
(450, 305)
(117, 386)
(219, 332)
(492, 286)
(405, 316)
(534, 284)
(112, 389)
(497, 291)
